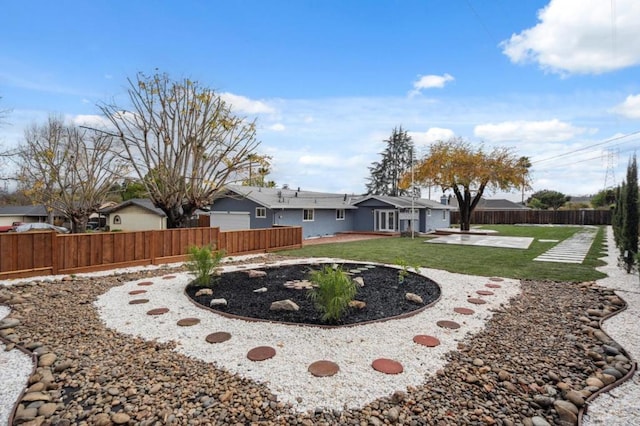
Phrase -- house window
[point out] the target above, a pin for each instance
(428, 212)
(340, 214)
(444, 215)
(117, 220)
(261, 212)
(307, 215)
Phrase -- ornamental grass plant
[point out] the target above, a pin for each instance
(202, 262)
(333, 292)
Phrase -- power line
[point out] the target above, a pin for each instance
(607, 141)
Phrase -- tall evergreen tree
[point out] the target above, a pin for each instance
(396, 162)
(616, 220)
(630, 219)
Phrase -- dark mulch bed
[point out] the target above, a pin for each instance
(382, 293)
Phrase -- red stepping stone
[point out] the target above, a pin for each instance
(323, 368)
(187, 322)
(428, 341)
(485, 293)
(496, 279)
(476, 301)
(261, 353)
(134, 292)
(218, 337)
(448, 324)
(168, 277)
(158, 311)
(138, 301)
(146, 283)
(464, 311)
(387, 366)
(491, 285)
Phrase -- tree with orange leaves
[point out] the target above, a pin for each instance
(469, 171)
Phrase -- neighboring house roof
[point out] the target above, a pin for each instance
(32, 211)
(405, 202)
(139, 202)
(494, 204)
(286, 198)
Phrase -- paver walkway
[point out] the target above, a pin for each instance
(571, 250)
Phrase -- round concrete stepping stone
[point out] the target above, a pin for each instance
(464, 311)
(496, 279)
(187, 322)
(428, 341)
(491, 285)
(448, 324)
(138, 301)
(387, 366)
(218, 337)
(261, 353)
(476, 301)
(485, 293)
(134, 292)
(144, 283)
(158, 311)
(168, 277)
(323, 368)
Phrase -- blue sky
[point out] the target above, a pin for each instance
(328, 80)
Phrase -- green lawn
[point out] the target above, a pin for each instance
(473, 260)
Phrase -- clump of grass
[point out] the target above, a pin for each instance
(202, 261)
(334, 291)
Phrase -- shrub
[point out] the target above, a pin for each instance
(202, 261)
(334, 291)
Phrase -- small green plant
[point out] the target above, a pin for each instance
(202, 261)
(334, 291)
(404, 270)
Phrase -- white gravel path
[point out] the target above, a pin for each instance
(621, 405)
(286, 375)
(15, 368)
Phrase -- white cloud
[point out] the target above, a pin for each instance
(432, 135)
(90, 120)
(430, 82)
(581, 37)
(630, 107)
(245, 105)
(278, 127)
(529, 131)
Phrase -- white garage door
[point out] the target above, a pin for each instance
(230, 221)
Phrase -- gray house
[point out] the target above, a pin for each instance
(322, 214)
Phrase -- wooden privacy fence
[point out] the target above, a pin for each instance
(541, 217)
(47, 253)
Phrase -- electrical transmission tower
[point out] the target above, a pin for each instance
(609, 176)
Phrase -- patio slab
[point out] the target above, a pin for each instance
(484, 240)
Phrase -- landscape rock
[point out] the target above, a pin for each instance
(414, 298)
(204, 292)
(284, 305)
(218, 302)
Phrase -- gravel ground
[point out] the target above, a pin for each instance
(620, 405)
(529, 360)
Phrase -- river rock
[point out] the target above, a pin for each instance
(414, 298)
(204, 292)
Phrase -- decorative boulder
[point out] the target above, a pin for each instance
(357, 304)
(412, 297)
(260, 290)
(256, 274)
(359, 281)
(218, 302)
(284, 305)
(204, 292)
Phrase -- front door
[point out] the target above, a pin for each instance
(386, 220)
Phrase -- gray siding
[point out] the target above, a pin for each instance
(435, 221)
(244, 205)
(324, 221)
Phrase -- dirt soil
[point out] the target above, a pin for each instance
(383, 294)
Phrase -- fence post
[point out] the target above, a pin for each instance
(54, 253)
(152, 249)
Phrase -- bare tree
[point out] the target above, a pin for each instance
(183, 141)
(68, 169)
